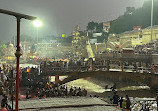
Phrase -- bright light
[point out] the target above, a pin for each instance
(63, 35)
(37, 23)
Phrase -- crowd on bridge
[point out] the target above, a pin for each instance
(72, 65)
(104, 65)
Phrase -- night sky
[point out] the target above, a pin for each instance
(60, 16)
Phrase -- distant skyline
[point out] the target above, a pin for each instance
(60, 16)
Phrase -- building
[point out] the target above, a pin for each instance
(146, 34)
(106, 27)
(130, 38)
(134, 37)
(78, 44)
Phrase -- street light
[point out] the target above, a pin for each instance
(151, 18)
(37, 23)
(18, 53)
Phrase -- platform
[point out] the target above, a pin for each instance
(66, 104)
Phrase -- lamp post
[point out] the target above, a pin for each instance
(151, 18)
(12, 80)
(18, 53)
(37, 23)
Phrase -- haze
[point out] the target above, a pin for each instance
(60, 16)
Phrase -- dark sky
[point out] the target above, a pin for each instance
(60, 16)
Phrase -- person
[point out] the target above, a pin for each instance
(106, 87)
(121, 101)
(84, 92)
(4, 103)
(1, 97)
(3, 107)
(124, 104)
(27, 94)
(115, 98)
(113, 87)
(128, 103)
(79, 93)
(152, 69)
(157, 101)
(71, 91)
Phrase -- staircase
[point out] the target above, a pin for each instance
(89, 50)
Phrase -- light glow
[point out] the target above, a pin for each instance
(37, 23)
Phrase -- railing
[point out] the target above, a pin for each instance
(124, 55)
(106, 67)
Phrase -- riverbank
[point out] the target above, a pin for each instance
(141, 93)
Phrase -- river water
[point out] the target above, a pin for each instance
(137, 94)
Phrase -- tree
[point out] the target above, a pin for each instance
(91, 26)
(139, 17)
(99, 27)
(129, 10)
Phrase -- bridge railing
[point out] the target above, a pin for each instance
(138, 69)
(81, 68)
(125, 55)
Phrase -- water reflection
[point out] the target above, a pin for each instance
(134, 88)
(96, 88)
(89, 86)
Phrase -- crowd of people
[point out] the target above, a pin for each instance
(53, 90)
(39, 87)
(96, 65)
(33, 84)
(149, 48)
(6, 74)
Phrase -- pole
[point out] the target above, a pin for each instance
(12, 88)
(17, 54)
(151, 18)
(157, 101)
(37, 35)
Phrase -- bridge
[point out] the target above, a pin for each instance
(104, 71)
